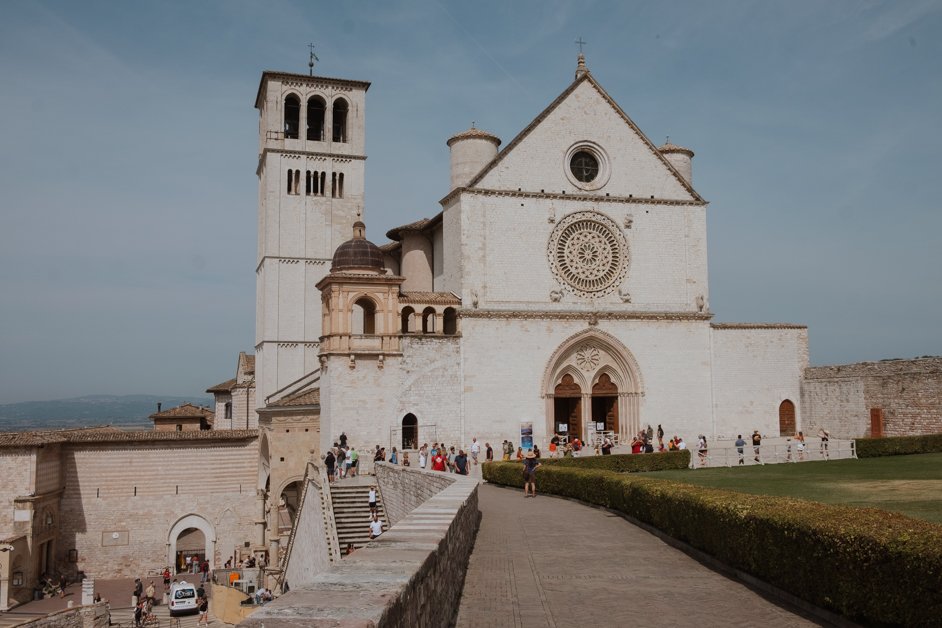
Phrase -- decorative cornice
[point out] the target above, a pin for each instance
(569, 315)
(583, 198)
(306, 79)
(310, 153)
(311, 261)
(757, 326)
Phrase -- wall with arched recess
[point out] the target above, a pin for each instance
(199, 522)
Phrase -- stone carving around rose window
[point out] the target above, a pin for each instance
(587, 358)
(588, 253)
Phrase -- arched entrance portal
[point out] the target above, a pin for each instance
(593, 384)
(185, 533)
(567, 403)
(786, 418)
(410, 432)
(605, 404)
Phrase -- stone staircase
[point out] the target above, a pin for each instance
(352, 513)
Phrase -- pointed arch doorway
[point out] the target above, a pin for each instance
(567, 403)
(605, 404)
(592, 383)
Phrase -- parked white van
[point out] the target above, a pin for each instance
(182, 598)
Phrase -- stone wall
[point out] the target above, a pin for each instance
(94, 616)
(122, 499)
(909, 392)
(402, 491)
(16, 465)
(309, 555)
(410, 576)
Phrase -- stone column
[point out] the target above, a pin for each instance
(260, 522)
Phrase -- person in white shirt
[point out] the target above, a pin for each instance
(372, 500)
(681, 444)
(376, 527)
(475, 449)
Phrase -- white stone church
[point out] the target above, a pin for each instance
(562, 287)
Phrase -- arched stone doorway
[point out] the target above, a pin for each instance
(593, 376)
(288, 503)
(605, 404)
(786, 418)
(187, 527)
(567, 407)
(410, 432)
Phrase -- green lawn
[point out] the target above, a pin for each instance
(911, 485)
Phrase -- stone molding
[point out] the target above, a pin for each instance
(570, 315)
(585, 198)
(757, 326)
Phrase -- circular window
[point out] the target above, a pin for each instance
(588, 253)
(584, 166)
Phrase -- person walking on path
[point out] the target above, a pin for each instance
(394, 457)
(423, 456)
(702, 450)
(438, 462)
(372, 500)
(530, 465)
(740, 445)
(756, 444)
(354, 461)
(475, 450)
(203, 605)
(330, 463)
(488, 452)
(343, 439)
(825, 437)
(461, 463)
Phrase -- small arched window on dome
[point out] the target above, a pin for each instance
(340, 120)
(292, 116)
(316, 107)
(408, 320)
(364, 317)
(450, 321)
(428, 320)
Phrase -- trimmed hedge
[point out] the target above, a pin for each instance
(899, 445)
(626, 463)
(869, 565)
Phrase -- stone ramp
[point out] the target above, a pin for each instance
(551, 562)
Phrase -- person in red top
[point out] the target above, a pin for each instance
(438, 462)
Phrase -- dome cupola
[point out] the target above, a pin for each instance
(358, 254)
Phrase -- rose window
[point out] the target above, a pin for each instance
(588, 253)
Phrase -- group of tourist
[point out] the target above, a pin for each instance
(342, 460)
(560, 445)
(439, 457)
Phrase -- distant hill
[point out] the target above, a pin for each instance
(128, 411)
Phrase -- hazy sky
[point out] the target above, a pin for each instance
(128, 148)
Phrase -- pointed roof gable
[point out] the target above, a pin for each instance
(584, 78)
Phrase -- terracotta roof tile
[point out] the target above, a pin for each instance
(109, 434)
(224, 387)
(186, 411)
(431, 298)
(389, 247)
(301, 398)
(473, 133)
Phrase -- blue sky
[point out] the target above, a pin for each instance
(128, 147)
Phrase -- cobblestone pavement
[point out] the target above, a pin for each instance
(554, 562)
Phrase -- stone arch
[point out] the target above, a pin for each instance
(587, 356)
(360, 305)
(186, 522)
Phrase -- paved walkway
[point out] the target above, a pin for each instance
(554, 562)
(117, 591)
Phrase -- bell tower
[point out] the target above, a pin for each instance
(311, 162)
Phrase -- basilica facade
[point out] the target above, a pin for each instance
(561, 288)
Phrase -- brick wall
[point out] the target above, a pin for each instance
(908, 391)
(15, 466)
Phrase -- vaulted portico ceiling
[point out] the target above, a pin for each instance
(585, 77)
